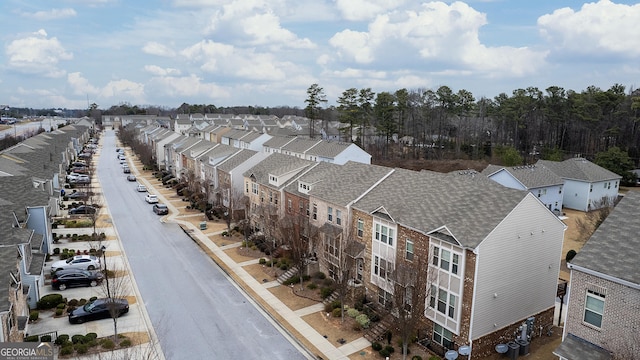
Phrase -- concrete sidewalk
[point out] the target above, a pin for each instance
(294, 319)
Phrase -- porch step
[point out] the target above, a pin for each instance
(329, 299)
(287, 275)
(379, 330)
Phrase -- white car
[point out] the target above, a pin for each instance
(141, 188)
(83, 262)
(151, 199)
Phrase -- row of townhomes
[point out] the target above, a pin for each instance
(489, 243)
(31, 175)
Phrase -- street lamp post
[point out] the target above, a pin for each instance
(106, 272)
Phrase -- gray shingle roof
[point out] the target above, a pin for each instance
(8, 261)
(328, 149)
(321, 172)
(276, 164)
(345, 183)
(467, 203)
(237, 159)
(579, 169)
(614, 248)
(573, 347)
(277, 142)
(300, 145)
(531, 176)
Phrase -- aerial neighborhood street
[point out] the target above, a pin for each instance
(293, 247)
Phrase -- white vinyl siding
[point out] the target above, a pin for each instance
(517, 267)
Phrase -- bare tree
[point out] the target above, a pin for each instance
(297, 234)
(594, 218)
(340, 253)
(115, 288)
(411, 288)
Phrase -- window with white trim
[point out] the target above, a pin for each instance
(289, 204)
(315, 212)
(382, 267)
(594, 308)
(385, 298)
(384, 234)
(330, 214)
(246, 187)
(446, 260)
(442, 336)
(254, 188)
(443, 301)
(408, 249)
(338, 217)
(360, 231)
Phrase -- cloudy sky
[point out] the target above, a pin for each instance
(68, 53)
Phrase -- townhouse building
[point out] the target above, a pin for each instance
(603, 313)
(587, 186)
(538, 180)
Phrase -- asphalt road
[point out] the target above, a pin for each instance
(195, 309)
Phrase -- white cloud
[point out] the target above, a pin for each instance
(51, 14)
(155, 48)
(192, 86)
(81, 85)
(435, 32)
(37, 54)
(360, 10)
(159, 71)
(596, 28)
(265, 29)
(124, 90)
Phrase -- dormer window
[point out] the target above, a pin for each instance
(273, 180)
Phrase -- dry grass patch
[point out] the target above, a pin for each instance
(220, 240)
(260, 273)
(333, 329)
(237, 255)
(293, 302)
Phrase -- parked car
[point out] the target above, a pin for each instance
(99, 309)
(83, 210)
(77, 195)
(141, 188)
(126, 169)
(79, 164)
(63, 279)
(160, 209)
(80, 170)
(82, 262)
(76, 176)
(151, 198)
(131, 177)
(80, 181)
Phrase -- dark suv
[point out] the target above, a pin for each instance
(63, 279)
(160, 209)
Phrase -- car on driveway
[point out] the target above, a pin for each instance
(83, 210)
(63, 279)
(151, 198)
(131, 177)
(77, 195)
(104, 308)
(82, 262)
(160, 209)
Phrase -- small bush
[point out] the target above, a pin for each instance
(34, 315)
(262, 261)
(31, 338)
(73, 302)
(45, 338)
(416, 357)
(390, 349)
(384, 353)
(292, 280)
(61, 339)
(376, 346)
(82, 302)
(107, 344)
(319, 275)
(326, 292)
(61, 306)
(59, 312)
(570, 255)
(356, 327)
(337, 312)
(49, 301)
(312, 286)
(433, 357)
(363, 320)
(78, 339)
(93, 298)
(284, 267)
(91, 336)
(66, 350)
(336, 304)
(81, 348)
(92, 343)
(352, 313)
(125, 343)
(56, 251)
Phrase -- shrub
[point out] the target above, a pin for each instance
(64, 256)
(66, 350)
(31, 338)
(384, 353)
(81, 348)
(306, 277)
(433, 357)
(416, 357)
(363, 320)
(312, 286)
(107, 344)
(336, 304)
(570, 255)
(49, 301)
(292, 280)
(91, 336)
(224, 233)
(78, 339)
(56, 251)
(352, 313)
(45, 338)
(82, 302)
(337, 312)
(61, 306)
(34, 315)
(73, 302)
(284, 267)
(326, 292)
(376, 346)
(390, 349)
(59, 312)
(262, 261)
(125, 343)
(319, 275)
(356, 327)
(358, 305)
(61, 339)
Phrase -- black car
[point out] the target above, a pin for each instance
(83, 209)
(63, 279)
(99, 309)
(160, 209)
